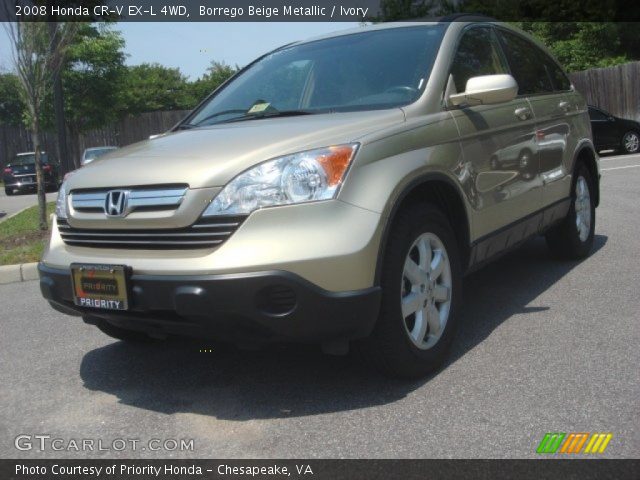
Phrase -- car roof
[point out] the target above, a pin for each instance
(458, 18)
(99, 148)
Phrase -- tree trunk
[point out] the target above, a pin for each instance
(42, 199)
(74, 133)
(58, 104)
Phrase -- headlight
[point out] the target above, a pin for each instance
(301, 177)
(61, 202)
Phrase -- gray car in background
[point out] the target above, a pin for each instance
(90, 154)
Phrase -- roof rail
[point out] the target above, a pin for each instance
(466, 17)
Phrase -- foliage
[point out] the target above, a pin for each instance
(577, 45)
(92, 77)
(584, 45)
(216, 75)
(151, 86)
(394, 10)
(11, 105)
(38, 50)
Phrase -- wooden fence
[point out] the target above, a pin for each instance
(615, 89)
(129, 130)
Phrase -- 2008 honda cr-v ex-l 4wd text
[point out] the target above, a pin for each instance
(334, 191)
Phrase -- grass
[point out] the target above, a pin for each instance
(21, 241)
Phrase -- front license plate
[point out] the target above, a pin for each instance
(100, 286)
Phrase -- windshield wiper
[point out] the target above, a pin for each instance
(272, 114)
(247, 116)
(214, 115)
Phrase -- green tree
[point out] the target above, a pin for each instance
(577, 45)
(150, 86)
(217, 73)
(37, 56)
(394, 10)
(584, 45)
(12, 108)
(92, 79)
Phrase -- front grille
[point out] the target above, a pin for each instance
(205, 233)
(148, 198)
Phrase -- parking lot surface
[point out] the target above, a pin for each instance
(544, 346)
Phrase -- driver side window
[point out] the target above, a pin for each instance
(478, 54)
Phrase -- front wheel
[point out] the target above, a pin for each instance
(573, 237)
(421, 292)
(631, 142)
(8, 191)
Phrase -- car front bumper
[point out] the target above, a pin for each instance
(256, 307)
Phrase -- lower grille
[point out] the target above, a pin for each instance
(205, 233)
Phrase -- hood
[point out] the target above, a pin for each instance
(211, 156)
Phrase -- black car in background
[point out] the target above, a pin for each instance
(613, 133)
(20, 174)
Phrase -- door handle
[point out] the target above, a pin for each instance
(523, 113)
(564, 106)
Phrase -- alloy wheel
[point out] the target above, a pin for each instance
(425, 296)
(631, 142)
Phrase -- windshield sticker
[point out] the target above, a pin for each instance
(259, 107)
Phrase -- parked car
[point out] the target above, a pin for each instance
(614, 133)
(90, 154)
(329, 194)
(20, 175)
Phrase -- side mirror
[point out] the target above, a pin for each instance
(487, 90)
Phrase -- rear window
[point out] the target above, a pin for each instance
(596, 114)
(29, 159)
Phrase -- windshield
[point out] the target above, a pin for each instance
(363, 71)
(97, 152)
(29, 159)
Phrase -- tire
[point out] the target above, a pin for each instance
(120, 333)
(391, 348)
(631, 142)
(567, 240)
(8, 191)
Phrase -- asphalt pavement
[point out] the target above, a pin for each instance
(14, 203)
(544, 346)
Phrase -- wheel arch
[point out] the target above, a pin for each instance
(586, 155)
(442, 191)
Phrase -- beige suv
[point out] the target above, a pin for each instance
(334, 191)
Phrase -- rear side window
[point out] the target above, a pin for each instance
(596, 114)
(478, 54)
(528, 64)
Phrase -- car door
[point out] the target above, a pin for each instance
(498, 141)
(556, 109)
(605, 135)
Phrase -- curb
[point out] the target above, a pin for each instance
(18, 273)
(7, 217)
